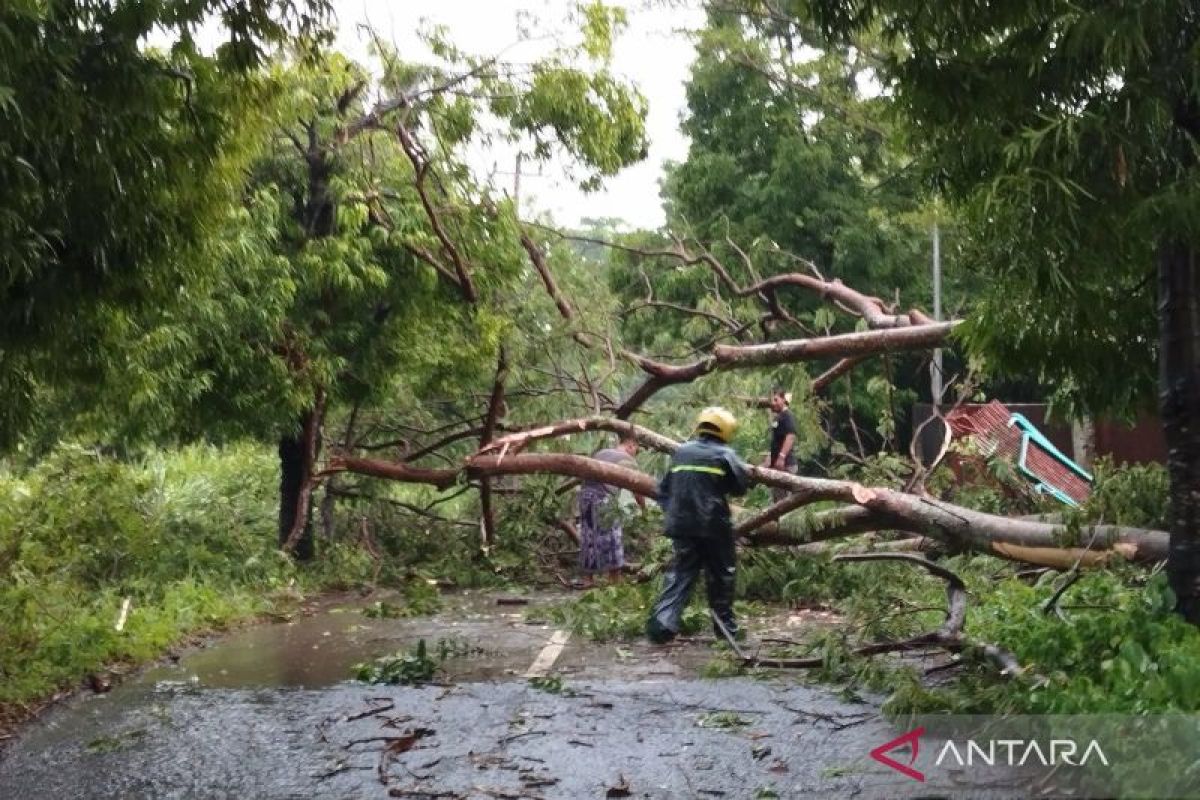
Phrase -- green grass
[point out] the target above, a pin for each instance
(187, 536)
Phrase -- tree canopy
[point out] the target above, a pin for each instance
(117, 159)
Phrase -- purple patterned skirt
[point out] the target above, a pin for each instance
(600, 547)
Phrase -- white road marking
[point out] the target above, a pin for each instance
(550, 653)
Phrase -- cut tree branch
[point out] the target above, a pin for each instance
(874, 508)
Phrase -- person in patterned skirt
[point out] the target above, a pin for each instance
(601, 545)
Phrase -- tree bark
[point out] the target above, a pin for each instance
(877, 508)
(1083, 441)
(871, 508)
(487, 514)
(1179, 400)
(294, 475)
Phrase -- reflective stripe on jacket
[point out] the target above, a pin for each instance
(703, 473)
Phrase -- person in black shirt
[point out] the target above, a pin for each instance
(783, 440)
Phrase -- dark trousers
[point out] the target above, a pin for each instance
(718, 559)
(782, 494)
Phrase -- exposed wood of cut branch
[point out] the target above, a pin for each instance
(863, 343)
(792, 351)
(394, 470)
(645, 436)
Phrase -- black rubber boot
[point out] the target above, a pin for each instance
(663, 624)
(656, 633)
(720, 577)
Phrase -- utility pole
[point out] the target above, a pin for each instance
(935, 368)
(517, 184)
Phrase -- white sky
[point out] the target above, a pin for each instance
(651, 53)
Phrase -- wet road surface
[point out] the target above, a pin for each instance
(269, 712)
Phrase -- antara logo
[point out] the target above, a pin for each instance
(1005, 752)
(912, 739)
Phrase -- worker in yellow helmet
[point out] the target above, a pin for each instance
(704, 472)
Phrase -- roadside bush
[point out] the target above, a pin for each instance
(187, 536)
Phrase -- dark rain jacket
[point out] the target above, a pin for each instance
(703, 473)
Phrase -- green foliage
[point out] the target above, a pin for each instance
(406, 669)
(186, 536)
(721, 667)
(770, 576)
(117, 160)
(1116, 648)
(1120, 649)
(1135, 495)
(420, 600)
(620, 612)
(722, 720)
(1072, 160)
(550, 684)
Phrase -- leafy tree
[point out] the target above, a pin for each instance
(787, 147)
(791, 155)
(115, 158)
(1068, 132)
(366, 265)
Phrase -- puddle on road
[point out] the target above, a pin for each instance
(321, 649)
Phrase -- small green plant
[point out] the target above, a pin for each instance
(421, 599)
(721, 667)
(406, 669)
(381, 609)
(722, 720)
(551, 684)
(111, 744)
(456, 647)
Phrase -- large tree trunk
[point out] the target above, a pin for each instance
(293, 476)
(1179, 398)
(297, 459)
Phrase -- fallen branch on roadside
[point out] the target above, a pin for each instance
(949, 636)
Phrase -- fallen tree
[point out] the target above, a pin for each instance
(864, 508)
(949, 636)
(791, 522)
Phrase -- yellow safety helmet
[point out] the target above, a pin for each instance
(718, 422)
